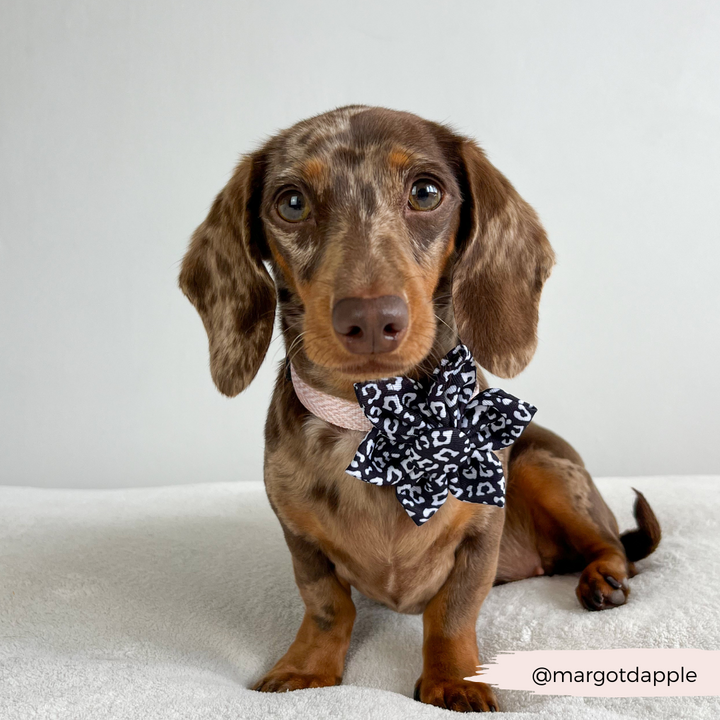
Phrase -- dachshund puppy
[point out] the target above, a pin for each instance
(388, 239)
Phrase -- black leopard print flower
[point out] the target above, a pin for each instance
(432, 438)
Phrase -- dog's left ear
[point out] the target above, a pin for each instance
(504, 259)
(224, 277)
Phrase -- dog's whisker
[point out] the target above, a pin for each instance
(298, 339)
(444, 323)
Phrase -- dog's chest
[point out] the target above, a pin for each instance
(382, 553)
(362, 528)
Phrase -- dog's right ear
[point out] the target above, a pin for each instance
(223, 276)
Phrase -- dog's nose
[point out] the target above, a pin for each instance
(370, 325)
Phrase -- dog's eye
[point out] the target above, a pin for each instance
(425, 195)
(292, 206)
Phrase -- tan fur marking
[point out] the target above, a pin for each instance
(315, 170)
(399, 158)
(282, 264)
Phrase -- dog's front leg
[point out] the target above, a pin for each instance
(450, 650)
(317, 656)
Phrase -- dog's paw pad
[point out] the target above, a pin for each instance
(458, 695)
(276, 682)
(603, 585)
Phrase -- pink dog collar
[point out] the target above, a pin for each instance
(343, 413)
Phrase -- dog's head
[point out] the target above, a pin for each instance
(384, 232)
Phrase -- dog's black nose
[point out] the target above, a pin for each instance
(370, 325)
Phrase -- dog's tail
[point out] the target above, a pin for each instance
(640, 543)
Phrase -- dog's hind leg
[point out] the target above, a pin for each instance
(555, 510)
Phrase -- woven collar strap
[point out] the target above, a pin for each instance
(335, 410)
(343, 413)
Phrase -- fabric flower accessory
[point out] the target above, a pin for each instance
(435, 437)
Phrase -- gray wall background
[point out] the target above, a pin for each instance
(120, 121)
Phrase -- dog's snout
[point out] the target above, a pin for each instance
(370, 325)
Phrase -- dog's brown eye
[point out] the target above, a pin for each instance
(292, 206)
(425, 195)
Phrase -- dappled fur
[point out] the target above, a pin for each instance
(506, 259)
(471, 269)
(224, 278)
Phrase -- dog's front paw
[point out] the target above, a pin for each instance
(459, 695)
(279, 681)
(603, 584)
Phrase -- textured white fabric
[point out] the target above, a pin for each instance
(169, 602)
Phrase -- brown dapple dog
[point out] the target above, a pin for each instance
(389, 238)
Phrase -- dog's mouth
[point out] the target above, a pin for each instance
(374, 367)
(350, 369)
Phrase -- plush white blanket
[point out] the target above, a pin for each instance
(169, 602)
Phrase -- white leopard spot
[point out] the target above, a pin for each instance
(446, 454)
(438, 409)
(392, 403)
(393, 476)
(441, 437)
(372, 392)
(524, 416)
